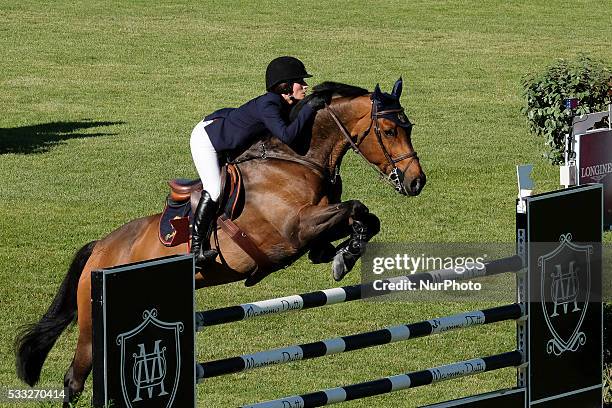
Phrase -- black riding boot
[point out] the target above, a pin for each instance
(202, 228)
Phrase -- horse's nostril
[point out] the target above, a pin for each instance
(415, 185)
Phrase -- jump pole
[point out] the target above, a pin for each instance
(358, 341)
(344, 294)
(396, 382)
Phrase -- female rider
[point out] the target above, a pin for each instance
(235, 129)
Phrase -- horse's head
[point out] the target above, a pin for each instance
(384, 138)
(374, 124)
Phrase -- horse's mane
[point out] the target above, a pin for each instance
(336, 88)
(328, 90)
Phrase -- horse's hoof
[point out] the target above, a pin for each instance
(72, 399)
(339, 267)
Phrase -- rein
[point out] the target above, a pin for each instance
(394, 178)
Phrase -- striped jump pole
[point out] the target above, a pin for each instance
(396, 382)
(343, 294)
(357, 341)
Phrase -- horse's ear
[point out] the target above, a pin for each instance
(377, 94)
(397, 89)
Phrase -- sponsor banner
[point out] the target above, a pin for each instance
(594, 165)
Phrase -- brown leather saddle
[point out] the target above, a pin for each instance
(176, 221)
(183, 190)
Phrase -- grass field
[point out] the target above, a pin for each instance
(98, 99)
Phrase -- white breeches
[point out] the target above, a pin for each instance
(205, 159)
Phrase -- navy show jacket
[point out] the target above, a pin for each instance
(237, 128)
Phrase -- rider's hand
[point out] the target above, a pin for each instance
(288, 98)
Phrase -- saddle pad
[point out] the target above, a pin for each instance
(175, 223)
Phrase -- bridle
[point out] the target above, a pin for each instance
(395, 177)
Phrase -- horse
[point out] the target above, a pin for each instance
(292, 206)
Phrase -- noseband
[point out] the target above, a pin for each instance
(394, 177)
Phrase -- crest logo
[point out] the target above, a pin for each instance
(150, 362)
(565, 287)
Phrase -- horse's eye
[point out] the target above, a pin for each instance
(391, 132)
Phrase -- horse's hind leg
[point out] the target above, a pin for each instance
(74, 379)
(77, 373)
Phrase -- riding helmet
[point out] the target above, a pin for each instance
(284, 69)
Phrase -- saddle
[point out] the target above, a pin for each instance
(177, 218)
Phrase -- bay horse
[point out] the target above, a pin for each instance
(292, 206)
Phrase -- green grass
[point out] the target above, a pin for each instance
(127, 81)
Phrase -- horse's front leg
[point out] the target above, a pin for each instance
(319, 225)
(349, 251)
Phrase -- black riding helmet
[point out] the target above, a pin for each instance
(283, 69)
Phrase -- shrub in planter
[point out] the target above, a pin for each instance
(586, 79)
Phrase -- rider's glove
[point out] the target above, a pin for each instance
(316, 102)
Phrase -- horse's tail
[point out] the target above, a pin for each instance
(36, 340)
